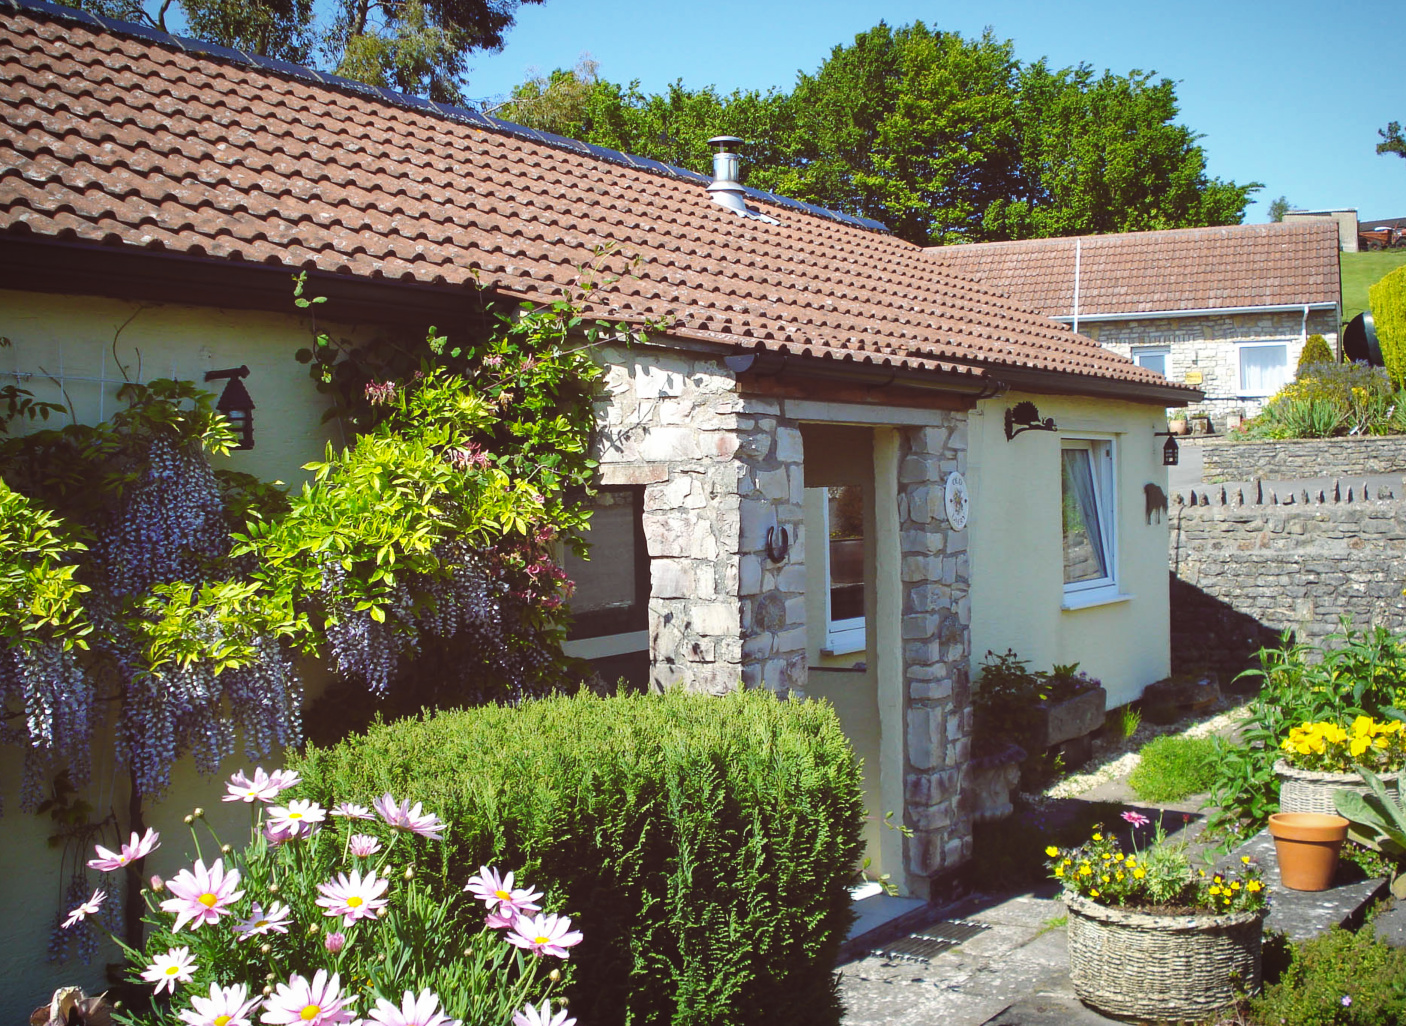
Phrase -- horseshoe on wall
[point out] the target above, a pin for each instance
(776, 549)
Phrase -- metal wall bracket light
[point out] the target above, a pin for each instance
(236, 404)
(1170, 453)
(1026, 417)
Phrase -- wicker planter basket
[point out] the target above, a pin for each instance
(1161, 968)
(1312, 791)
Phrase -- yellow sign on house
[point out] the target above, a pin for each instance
(1193, 377)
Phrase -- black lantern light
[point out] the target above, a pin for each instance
(236, 404)
(1170, 453)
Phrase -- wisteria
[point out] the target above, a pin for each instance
(49, 684)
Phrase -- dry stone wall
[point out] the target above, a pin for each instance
(1249, 566)
(1224, 460)
(936, 577)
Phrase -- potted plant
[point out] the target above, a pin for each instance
(1177, 425)
(1319, 759)
(1151, 938)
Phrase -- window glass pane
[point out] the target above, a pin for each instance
(1084, 555)
(607, 579)
(1263, 369)
(846, 519)
(1153, 362)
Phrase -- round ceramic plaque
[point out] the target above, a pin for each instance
(956, 499)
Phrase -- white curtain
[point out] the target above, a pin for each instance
(1264, 370)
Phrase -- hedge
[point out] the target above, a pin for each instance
(1388, 300)
(703, 845)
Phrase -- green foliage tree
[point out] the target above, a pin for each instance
(1315, 350)
(1393, 141)
(416, 46)
(942, 138)
(1388, 300)
(1278, 208)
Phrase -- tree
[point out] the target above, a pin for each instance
(1393, 141)
(1278, 208)
(416, 46)
(944, 139)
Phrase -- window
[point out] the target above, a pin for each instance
(1089, 517)
(1264, 367)
(844, 567)
(610, 606)
(1154, 358)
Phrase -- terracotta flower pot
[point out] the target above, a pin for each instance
(1307, 845)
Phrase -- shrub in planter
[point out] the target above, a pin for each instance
(1319, 759)
(708, 842)
(1033, 709)
(1338, 979)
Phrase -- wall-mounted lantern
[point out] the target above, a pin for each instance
(1170, 453)
(1025, 416)
(236, 404)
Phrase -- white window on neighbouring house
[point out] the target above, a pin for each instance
(844, 569)
(1264, 367)
(1089, 518)
(1154, 358)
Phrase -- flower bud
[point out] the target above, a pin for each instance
(267, 991)
(188, 820)
(334, 942)
(265, 949)
(313, 930)
(225, 849)
(409, 872)
(270, 976)
(273, 888)
(157, 885)
(198, 812)
(381, 912)
(468, 952)
(554, 976)
(562, 1001)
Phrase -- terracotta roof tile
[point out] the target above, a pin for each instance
(113, 134)
(1286, 264)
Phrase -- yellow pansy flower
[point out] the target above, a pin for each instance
(1052, 851)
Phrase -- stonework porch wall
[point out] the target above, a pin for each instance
(936, 575)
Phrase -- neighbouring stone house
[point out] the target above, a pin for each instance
(811, 480)
(1226, 310)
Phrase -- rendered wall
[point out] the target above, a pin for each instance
(1017, 590)
(173, 341)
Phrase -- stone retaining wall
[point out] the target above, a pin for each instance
(1247, 567)
(1226, 460)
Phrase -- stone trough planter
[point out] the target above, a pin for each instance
(1069, 723)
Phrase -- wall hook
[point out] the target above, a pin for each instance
(777, 548)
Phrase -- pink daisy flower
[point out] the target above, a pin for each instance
(1137, 819)
(170, 969)
(202, 896)
(548, 934)
(363, 845)
(298, 818)
(396, 815)
(404, 816)
(284, 779)
(226, 1006)
(498, 893)
(88, 908)
(413, 1011)
(140, 848)
(426, 824)
(352, 898)
(496, 922)
(262, 788)
(275, 920)
(350, 810)
(543, 1016)
(304, 1002)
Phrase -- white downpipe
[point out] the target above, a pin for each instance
(1078, 256)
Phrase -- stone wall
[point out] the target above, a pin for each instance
(1209, 346)
(936, 576)
(1226, 460)
(1252, 566)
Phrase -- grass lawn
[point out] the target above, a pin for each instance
(1361, 271)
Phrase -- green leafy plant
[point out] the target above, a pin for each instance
(1382, 817)
(1173, 768)
(1388, 300)
(1338, 979)
(1125, 721)
(1328, 399)
(1315, 350)
(709, 842)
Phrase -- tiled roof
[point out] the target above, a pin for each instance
(1143, 272)
(117, 135)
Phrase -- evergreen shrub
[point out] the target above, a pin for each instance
(1315, 350)
(1388, 300)
(704, 845)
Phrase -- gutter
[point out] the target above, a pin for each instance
(1148, 315)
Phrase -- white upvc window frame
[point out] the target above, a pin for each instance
(1103, 459)
(842, 637)
(1267, 343)
(1163, 351)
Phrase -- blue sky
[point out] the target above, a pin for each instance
(1289, 94)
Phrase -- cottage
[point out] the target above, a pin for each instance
(1226, 310)
(842, 470)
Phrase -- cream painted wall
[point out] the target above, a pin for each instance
(73, 336)
(1016, 545)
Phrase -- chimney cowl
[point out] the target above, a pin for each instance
(726, 189)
